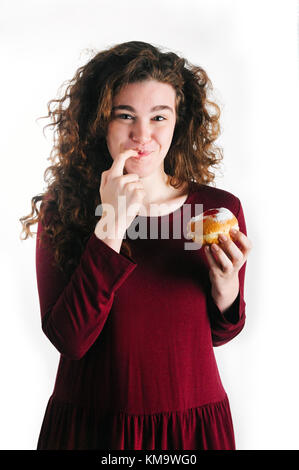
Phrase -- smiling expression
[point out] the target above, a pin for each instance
(143, 118)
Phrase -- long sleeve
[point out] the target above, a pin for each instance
(73, 313)
(226, 326)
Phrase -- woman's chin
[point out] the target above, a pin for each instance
(136, 170)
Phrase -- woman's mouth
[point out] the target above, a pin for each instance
(142, 155)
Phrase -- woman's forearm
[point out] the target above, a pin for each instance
(111, 237)
(224, 300)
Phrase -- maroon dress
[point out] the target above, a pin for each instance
(135, 335)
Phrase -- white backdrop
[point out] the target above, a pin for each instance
(249, 50)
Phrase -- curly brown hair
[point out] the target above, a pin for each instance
(80, 119)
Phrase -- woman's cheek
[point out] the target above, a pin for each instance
(111, 139)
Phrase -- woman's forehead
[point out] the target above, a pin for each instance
(148, 92)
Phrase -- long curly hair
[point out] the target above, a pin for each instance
(80, 154)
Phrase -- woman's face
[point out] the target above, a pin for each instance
(135, 124)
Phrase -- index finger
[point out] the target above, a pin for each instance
(117, 167)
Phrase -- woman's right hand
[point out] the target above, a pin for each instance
(114, 184)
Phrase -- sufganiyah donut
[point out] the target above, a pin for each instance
(205, 227)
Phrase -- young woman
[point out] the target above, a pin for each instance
(135, 319)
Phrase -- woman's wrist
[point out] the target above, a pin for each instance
(112, 235)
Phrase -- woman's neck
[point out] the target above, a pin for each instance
(160, 194)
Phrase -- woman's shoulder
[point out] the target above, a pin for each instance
(212, 197)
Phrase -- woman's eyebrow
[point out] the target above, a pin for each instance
(130, 108)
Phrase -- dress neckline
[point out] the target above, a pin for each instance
(170, 214)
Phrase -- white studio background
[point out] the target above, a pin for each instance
(249, 50)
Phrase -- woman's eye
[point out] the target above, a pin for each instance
(123, 116)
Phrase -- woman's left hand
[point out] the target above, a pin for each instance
(225, 260)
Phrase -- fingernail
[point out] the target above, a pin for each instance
(222, 238)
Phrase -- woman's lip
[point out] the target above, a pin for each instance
(144, 154)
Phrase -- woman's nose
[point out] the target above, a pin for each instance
(141, 133)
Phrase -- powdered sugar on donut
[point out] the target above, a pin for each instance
(220, 214)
